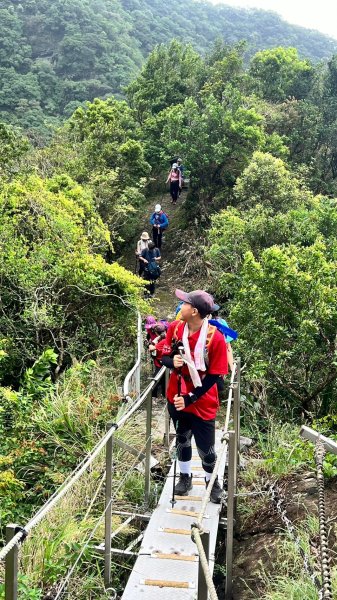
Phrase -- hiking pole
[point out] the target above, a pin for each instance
(136, 265)
(173, 500)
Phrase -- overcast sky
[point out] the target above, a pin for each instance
(321, 15)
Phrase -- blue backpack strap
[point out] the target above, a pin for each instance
(226, 331)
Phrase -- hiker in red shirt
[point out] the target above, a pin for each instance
(197, 353)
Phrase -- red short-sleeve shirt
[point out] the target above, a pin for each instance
(207, 405)
(159, 352)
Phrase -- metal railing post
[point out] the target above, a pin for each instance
(148, 448)
(138, 383)
(238, 425)
(167, 377)
(108, 513)
(238, 372)
(133, 377)
(232, 452)
(139, 354)
(236, 419)
(11, 566)
(202, 583)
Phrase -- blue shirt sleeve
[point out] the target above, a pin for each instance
(164, 221)
(152, 219)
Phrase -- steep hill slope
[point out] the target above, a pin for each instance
(55, 55)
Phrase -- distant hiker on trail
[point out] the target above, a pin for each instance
(150, 323)
(175, 181)
(142, 244)
(159, 222)
(196, 351)
(150, 257)
(181, 169)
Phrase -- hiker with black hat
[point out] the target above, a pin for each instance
(196, 352)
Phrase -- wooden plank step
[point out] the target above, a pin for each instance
(193, 498)
(175, 531)
(164, 583)
(173, 556)
(185, 513)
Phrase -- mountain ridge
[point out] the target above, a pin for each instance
(54, 57)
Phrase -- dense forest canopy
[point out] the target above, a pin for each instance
(56, 55)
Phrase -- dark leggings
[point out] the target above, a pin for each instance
(188, 424)
(156, 236)
(150, 286)
(141, 268)
(174, 190)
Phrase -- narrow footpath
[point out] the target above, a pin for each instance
(179, 255)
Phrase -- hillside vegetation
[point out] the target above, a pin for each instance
(56, 55)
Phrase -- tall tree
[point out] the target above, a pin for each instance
(279, 73)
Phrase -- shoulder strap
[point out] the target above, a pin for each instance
(175, 332)
(210, 335)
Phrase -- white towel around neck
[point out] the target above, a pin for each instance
(198, 364)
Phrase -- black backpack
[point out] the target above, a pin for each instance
(153, 269)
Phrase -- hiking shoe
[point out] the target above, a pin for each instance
(184, 485)
(216, 492)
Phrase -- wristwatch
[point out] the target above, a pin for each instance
(190, 398)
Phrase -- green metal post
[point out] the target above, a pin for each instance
(11, 566)
(148, 448)
(108, 508)
(232, 452)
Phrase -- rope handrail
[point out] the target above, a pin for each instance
(204, 563)
(224, 445)
(23, 532)
(126, 391)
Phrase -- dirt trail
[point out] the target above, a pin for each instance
(172, 251)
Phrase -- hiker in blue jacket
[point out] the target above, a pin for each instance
(159, 222)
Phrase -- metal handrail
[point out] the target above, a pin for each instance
(136, 367)
(20, 535)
